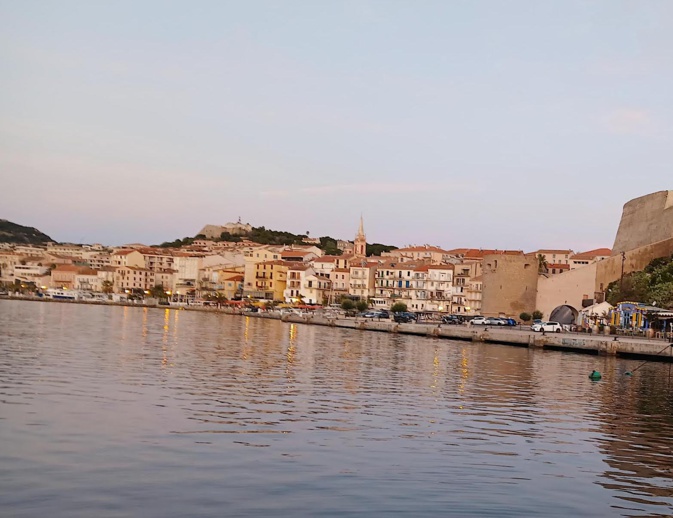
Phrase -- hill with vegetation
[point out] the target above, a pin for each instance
(18, 234)
(265, 236)
(653, 285)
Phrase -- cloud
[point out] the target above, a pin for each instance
(628, 121)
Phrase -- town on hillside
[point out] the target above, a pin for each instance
(559, 285)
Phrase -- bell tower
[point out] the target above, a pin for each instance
(360, 243)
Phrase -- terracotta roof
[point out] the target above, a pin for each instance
(442, 267)
(67, 268)
(341, 270)
(592, 254)
(123, 252)
(426, 248)
(326, 259)
(299, 267)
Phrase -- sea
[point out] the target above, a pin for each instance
(110, 411)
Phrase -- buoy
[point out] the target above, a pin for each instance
(595, 375)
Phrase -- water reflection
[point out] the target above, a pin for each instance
(203, 411)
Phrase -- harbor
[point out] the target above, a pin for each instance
(521, 336)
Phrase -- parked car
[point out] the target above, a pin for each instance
(478, 321)
(452, 319)
(494, 321)
(405, 317)
(548, 327)
(510, 322)
(376, 313)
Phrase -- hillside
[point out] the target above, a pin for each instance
(266, 236)
(15, 233)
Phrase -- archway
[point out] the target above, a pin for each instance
(564, 315)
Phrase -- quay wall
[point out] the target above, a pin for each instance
(595, 344)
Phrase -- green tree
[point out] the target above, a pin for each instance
(107, 287)
(537, 315)
(158, 292)
(347, 305)
(218, 298)
(525, 317)
(542, 264)
(378, 248)
(398, 307)
(362, 305)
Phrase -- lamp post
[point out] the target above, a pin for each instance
(621, 279)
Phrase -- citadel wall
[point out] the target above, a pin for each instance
(509, 284)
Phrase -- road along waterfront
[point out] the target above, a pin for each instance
(651, 349)
(128, 411)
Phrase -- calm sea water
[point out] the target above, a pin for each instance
(115, 412)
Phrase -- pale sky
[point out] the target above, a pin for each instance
(518, 124)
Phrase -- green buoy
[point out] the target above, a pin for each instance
(595, 375)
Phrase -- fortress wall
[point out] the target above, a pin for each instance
(645, 220)
(566, 288)
(509, 284)
(610, 269)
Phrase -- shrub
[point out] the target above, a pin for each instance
(398, 307)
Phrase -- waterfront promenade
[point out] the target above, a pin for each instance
(651, 349)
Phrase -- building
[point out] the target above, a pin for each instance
(270, 280)
(235, 229)
(553, 256)
(252, 256)
(589, 257)
(427, 253)
(509, 284)
(362, 280)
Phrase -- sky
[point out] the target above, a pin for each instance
(518, 125)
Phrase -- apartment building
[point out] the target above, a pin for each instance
(270, 280)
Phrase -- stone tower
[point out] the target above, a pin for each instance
(360, 243)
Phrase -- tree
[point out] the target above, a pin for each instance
(542, 264)
(362, 305)
(158, 292)
(347, 305)
(218, 298)
(525, 316)
(107, 287)
(537, 315)
(398, 307)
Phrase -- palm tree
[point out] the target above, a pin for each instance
(542, 264)
(218, 298)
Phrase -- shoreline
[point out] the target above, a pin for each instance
(646, 348)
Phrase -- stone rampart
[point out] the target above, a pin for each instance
(610, 269)
(509, 284)
(645, 220)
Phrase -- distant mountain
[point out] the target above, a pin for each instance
(15, 233)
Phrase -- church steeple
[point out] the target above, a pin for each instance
(360, 243)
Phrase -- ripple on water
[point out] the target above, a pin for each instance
(111, 411)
